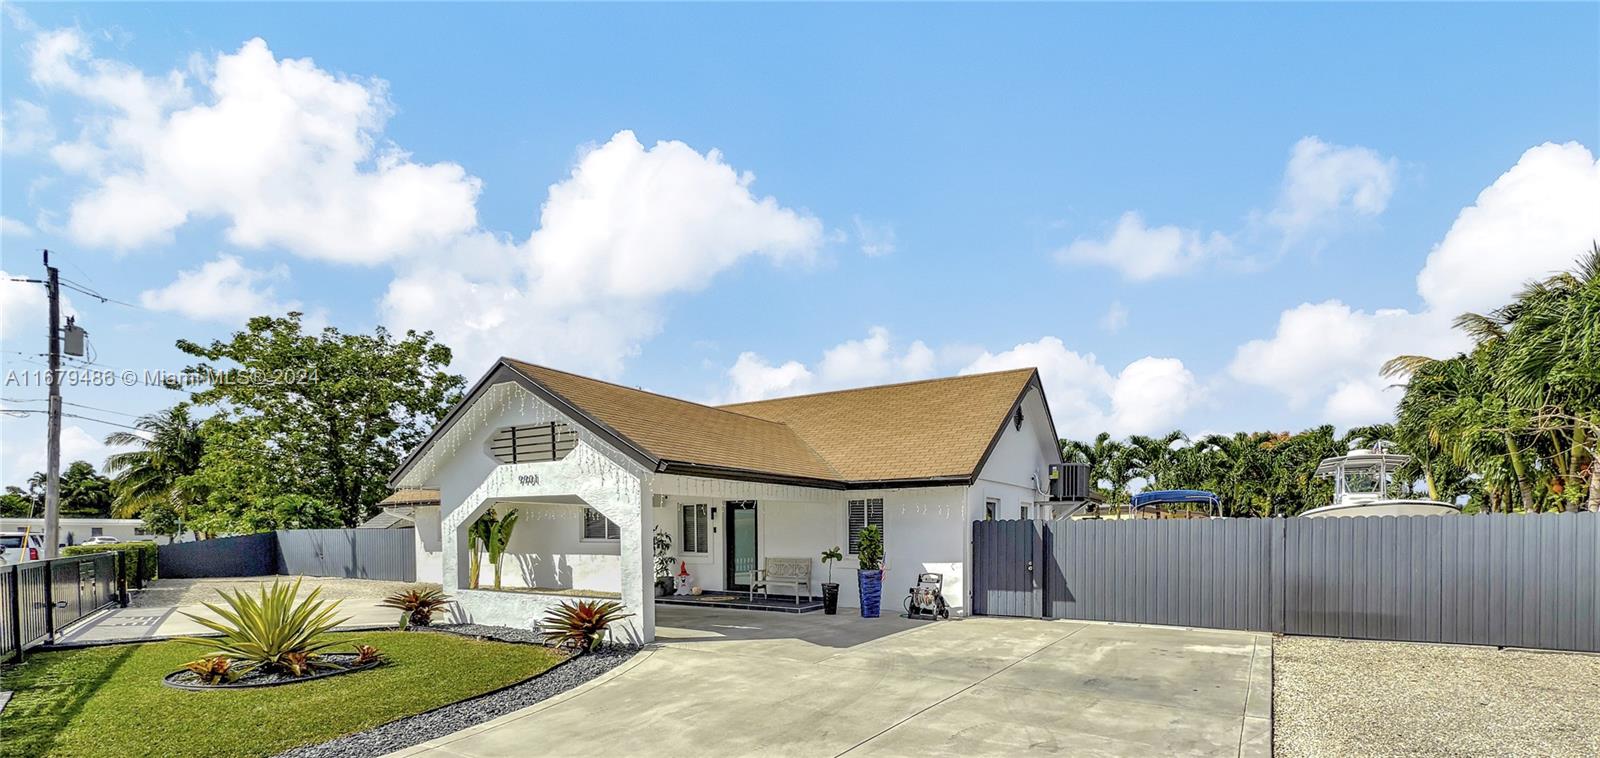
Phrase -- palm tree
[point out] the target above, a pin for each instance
(1097, 455)
(1153, 457)
(168, 446)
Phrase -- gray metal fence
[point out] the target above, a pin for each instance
(245, 555)
(39, 598)
(1508, 580)
(348, 553)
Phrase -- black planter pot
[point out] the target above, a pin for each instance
(830, 598)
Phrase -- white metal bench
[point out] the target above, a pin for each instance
(783, 572)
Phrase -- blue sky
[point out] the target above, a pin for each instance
(1206, 217)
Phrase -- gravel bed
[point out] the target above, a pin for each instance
(415, 730)
(1358, 698)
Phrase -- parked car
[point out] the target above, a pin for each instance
(19, 547)
(103, 539)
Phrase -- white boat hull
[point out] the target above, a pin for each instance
(1385, 508)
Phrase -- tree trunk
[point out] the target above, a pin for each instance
(1524, 487)
(1427, 476)
(1594, 484)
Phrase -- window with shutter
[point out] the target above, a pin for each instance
(533, 444)
(598, 527)
(863, 513)
(696, 530)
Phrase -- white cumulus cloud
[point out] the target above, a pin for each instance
(1142, 252)
(1535, 219)
(224, 289)
(629, 226)
(1325, 182)
(875, 359)
(287, 153)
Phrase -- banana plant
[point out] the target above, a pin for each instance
(499, 538)
(477, 536)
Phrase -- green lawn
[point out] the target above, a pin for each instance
(109, 701)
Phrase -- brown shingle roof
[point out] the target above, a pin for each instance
(916, 430)
(670, 429)
(932, 429)
(411, 497)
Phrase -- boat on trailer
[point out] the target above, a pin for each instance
(1361, 481)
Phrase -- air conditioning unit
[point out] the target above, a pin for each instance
(1069, 481)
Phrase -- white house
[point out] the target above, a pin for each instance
(75, 530)
(595, 467)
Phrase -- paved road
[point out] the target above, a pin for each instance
(727, 683)
(157, 612)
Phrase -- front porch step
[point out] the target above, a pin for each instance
(742, 601)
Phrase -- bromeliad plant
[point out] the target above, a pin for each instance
(581, 625)
(417, 605)
(274, 630)
(213, 669)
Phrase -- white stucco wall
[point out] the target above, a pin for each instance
(548, 550)
(470, 481)
(1019, 455)
(430, 552)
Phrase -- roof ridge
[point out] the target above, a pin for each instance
(661, 395)
(791, 430)
(929, 380)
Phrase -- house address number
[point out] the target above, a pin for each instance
(528, 479)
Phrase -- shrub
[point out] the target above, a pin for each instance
(581, 625)
(417, 604)
(213, 669)
(274, 629)
(138, 559)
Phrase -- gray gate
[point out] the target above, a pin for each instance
(349, 553)
(38, 598)
(1505, 580)
(1010, 556)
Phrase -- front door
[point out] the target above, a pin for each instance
(741, 531)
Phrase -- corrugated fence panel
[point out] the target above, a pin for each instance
(1507, 580)
(349, 553)
(1210, 573)
(246, 555)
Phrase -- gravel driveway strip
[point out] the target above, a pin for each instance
(1358, 698)
(415, 730)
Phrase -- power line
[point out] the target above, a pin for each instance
(76, 287)
(20, 412)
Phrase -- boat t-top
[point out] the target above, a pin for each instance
(1361, 481)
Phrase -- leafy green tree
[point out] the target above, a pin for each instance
(84, 492)
(325, 415)
(17, 503)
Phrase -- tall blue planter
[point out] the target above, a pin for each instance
(871, 585)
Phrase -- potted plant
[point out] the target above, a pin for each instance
(662, 542)
(830, 589)
(869, 577)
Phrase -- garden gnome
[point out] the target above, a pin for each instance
(682, 579)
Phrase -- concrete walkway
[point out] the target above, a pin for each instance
(733, 683)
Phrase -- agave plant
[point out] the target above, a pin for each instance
(417, 604)
(264, 630)
(213, 669)
(581, 625)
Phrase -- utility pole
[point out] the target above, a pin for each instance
(52, 482)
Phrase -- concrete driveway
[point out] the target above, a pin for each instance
(157, 611)
(734, 683)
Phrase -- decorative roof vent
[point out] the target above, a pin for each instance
(533, 444)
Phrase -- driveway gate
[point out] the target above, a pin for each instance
(1506, 580)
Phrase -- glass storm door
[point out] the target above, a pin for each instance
(741, 533)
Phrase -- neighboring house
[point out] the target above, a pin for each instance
(399, 509)
(75, 530)
(595, 468)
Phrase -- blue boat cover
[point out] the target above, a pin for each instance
(1148, 499)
